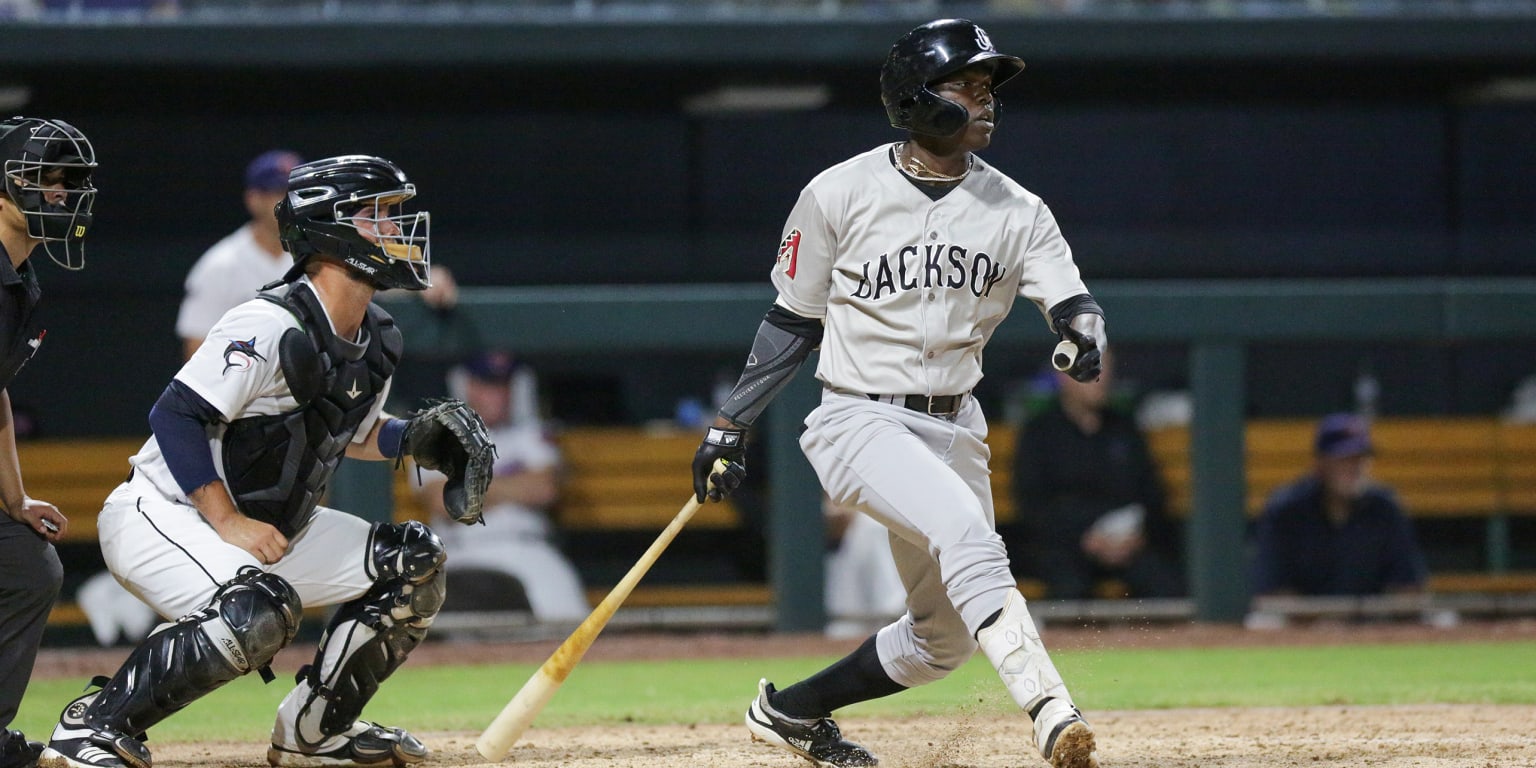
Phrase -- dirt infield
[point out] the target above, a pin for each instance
(1379, 737)
(1421, 736)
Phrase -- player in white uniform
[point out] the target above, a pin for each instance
(218, 528)
(231, 270)
(900, 263)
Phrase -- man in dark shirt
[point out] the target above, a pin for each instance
(1335, 532)
(45, 201)
(1090, 504)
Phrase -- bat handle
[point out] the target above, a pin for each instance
(1064, 356)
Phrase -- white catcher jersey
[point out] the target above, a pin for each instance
(910, 288)
(238, 370)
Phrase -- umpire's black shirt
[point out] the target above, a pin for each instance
(20, 334)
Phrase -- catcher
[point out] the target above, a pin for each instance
(219, 528)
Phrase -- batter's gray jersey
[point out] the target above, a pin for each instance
(911, 288)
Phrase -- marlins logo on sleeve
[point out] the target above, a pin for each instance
(241, 355)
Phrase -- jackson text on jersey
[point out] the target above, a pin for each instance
(929, 265)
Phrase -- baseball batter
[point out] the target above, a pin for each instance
(899, 263)
(218, 527)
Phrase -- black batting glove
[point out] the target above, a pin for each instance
(1087, 365)
(709, 480)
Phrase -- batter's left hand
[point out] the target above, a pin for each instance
(709, 481)
(42, 517)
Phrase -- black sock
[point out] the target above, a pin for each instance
(990, 621)
(851, 679)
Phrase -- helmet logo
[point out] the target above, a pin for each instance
(982, 41)
(362, 265)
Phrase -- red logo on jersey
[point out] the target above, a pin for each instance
(789, 250)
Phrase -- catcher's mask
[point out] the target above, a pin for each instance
(930, 52)
(47, 168)
(350, 209)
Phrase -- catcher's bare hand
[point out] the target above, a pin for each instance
(451, 438)
(262, 540)
(711, 480)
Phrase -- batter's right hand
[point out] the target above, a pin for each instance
(1086, 330)
(262, 540)
(708, 480)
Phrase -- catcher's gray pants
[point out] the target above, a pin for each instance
(30, 577)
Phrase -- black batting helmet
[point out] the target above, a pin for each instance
(47, 167)
(327, 202)
(926, 54)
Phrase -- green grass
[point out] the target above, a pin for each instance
(716, 690)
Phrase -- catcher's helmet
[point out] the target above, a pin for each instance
(39, 154)
(925, 54)
(333, 209)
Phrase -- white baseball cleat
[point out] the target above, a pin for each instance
(364, 744)
(1063, 736)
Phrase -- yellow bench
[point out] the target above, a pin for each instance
(631, 479)
(1439, 467)
(615, 479)
(76, 476)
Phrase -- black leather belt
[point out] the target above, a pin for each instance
(937, 405)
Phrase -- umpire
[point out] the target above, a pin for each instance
(45, 201)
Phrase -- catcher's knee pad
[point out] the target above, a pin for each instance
(409, 551)
(250, 619)
(1012, 644)
(407, 566)
(257, 614)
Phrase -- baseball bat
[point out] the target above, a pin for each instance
(1064, 355)
(519, 713)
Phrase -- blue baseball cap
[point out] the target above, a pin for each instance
(269, 171)
(1343, 434)
(491, 365)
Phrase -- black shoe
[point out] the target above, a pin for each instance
(17, 752)
(364, 744)
(817, 740)
(77, 745)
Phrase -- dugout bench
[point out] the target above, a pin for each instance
(632, 479)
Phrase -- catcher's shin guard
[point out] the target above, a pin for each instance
(368, 638)
(1012, 644)
(242, 628)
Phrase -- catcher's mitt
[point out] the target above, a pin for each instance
(451, 438)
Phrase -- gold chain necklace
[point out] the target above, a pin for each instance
(918, 170)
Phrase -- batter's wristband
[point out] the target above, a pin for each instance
(726, 438)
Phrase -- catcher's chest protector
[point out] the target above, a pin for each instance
(277, 467)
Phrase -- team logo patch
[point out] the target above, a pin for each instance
(789, 252)
(241, 355)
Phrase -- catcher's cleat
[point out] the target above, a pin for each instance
(1064, 737)
(16, 751)
(817, 740)
(74, 744)
(364, 744)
